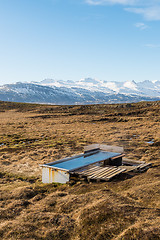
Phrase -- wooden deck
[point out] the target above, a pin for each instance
(99, 173)
(106, 173)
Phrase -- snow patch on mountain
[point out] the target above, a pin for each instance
(131, 85)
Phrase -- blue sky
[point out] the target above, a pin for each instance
(114, 40)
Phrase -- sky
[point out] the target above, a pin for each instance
(112, 40)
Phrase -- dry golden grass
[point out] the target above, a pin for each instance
(124, 209)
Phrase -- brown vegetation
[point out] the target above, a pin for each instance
(124, 209)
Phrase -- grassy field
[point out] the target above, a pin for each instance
(123, 209)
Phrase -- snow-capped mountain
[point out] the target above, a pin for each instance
(84, 91)
(145, 88)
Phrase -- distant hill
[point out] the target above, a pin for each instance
(85, 91)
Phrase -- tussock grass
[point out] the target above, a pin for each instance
(124, 209)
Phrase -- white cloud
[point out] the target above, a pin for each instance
(150, 14)
(149, 9)
(141, 26)
(102, 2)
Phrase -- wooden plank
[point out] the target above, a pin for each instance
(120, 171)
(106, 177)
(146, 165)
(140, 165)
(118, 156)
(96, 173)
(128, 168)
(105, 171)
(115, 172)
(131, 161)
(113, 175)
(91, 171)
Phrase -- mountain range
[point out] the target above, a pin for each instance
(84, 91)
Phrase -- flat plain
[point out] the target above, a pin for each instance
(127, 208)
